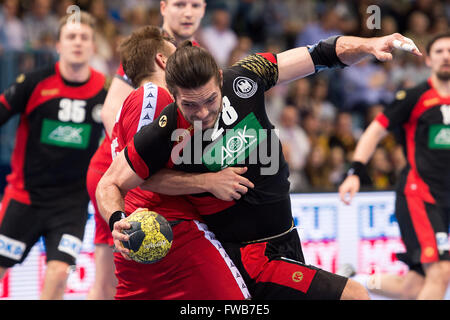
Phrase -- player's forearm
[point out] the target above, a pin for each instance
(351, 50)
(109, 198)
(368, 142)
(172, 182)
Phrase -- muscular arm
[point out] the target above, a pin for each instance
(117, 93)
(297, 63)
(226, 185)
(114, 185)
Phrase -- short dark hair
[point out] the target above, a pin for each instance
(190, 67)
(436, 38)
(138, 52)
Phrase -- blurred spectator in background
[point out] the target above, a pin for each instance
(364, 85)
(296, 146)
(380, 170)
(418, 28)
(105, 38)
(218, 37)
(40, 24)
(338, 166)
(343, 133)
(323, 108)
(241, 50)
(317, 170)
(12, 31)
(299, 94)
(62, 6)
(326, 26)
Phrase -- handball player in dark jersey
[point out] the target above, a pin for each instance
(421, 118)
(59, 131)
(219, 120)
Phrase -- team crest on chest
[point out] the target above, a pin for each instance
(244, 87)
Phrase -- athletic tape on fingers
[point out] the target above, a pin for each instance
(404, 46)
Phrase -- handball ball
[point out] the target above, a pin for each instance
(150, 236)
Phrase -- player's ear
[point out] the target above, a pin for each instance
(161, 60)
(162, 7)
(221, 77)
(427, 60)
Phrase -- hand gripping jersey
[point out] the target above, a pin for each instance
(140, 108)
(423, 119)
(243, 135)
(59, 131)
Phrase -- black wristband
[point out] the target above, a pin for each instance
(323, 54)
(357, 168)
(116, 216)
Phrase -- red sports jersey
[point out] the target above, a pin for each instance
(140, 108)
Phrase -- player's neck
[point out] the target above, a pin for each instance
(178, 39)
(156, 79)
(74, 73)
(441, 86)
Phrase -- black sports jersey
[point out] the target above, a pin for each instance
(59, 131)
(423, 117)
(243, 135)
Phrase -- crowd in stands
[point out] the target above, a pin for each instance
(320, 118)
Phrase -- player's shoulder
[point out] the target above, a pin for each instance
(261, 67)
(34, 77)
(413, 93)
(97, 78)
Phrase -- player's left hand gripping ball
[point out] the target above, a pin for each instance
(150, 236)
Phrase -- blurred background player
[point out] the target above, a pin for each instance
(421, 116)
(59, 131)
(181, 19)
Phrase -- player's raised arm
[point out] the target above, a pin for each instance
(338, 51)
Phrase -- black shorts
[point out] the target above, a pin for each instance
(424, 231)
(61, 224)
(276, 270)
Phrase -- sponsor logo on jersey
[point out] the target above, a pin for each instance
(430, 102)
(439, 137)
(20, 78)
(62, 134)
(70, 245)
(400, 95)
(244, 87)
(11, 248)
(236, 145)
(297, 276)
(163, 121)
(49, 92)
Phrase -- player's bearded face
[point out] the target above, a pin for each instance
(440, 59)
(201, 105)
(183, 17)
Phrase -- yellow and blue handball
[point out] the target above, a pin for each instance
(150, 236)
